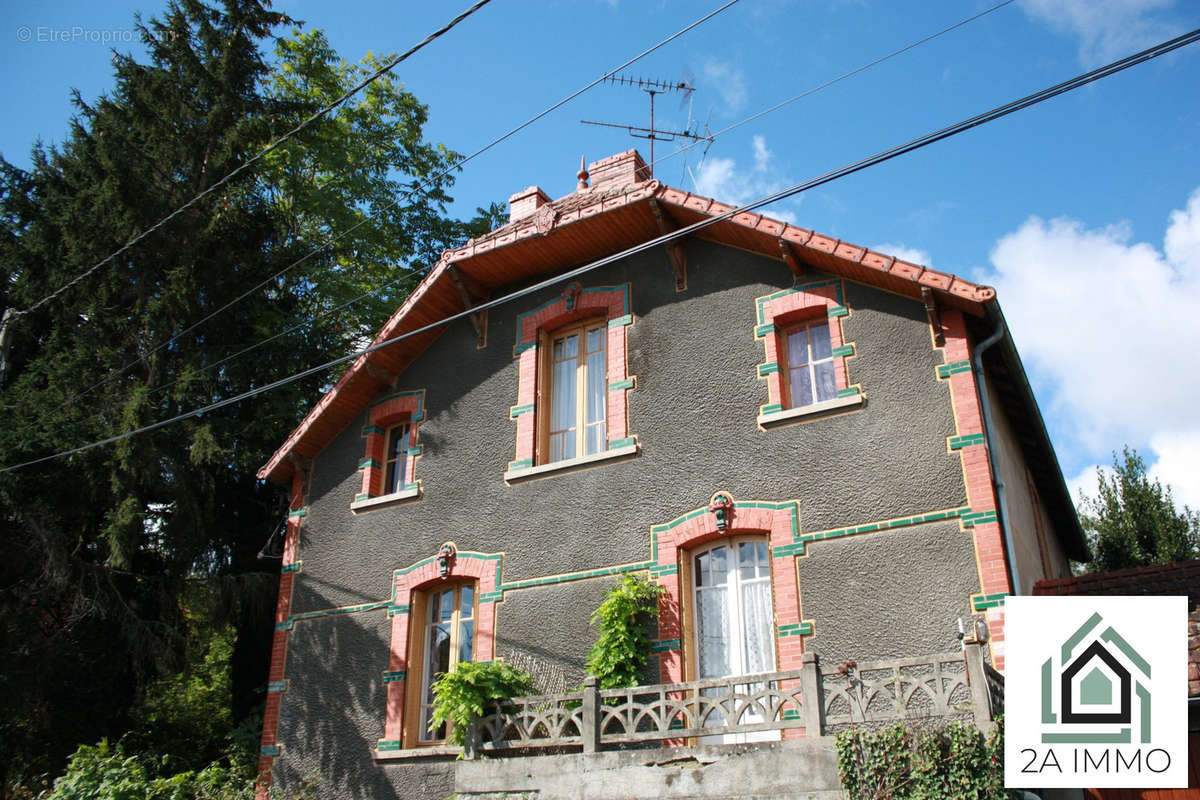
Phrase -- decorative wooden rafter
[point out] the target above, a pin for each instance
(472, 294)
(676, 250)
(384, 376)
(302, 464)
(789, 258)
(935, 316)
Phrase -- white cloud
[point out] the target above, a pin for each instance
(1084, 482)
(1107, 29)
(729, 82)
(905, 253)
(723, 180)
(1108, 328)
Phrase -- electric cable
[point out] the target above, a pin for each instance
(394, 203)
(265, 151)
(838, 79)
(849, 169)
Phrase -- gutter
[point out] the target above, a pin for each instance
(985, 407)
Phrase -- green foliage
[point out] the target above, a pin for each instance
(471, 688)
(618, 658)
(900, 763)
(102, 772)
(1132, 521)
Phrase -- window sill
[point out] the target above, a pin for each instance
(572, 464)
(804, 413)
(417, 752)
(387, 500)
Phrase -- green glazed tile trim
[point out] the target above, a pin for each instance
(664, 569)
(761, 302)
(617, 386)
(292, 567)
(275, 687)
(665, 645)
(982, 602)
(623, 288)
(369, 429)
(394, 675)
(369, 462)
(270, 750)
(333, 612)
(521, 348)
(967, 440)
(767, 369)
(838, 311)
(388, 745)
(417, 393)
(576, 576)
(978, 518)
(409, 487)
(844, 350)
(398, 610)
(417, 416)
(849, 391)
(628, 441)
(296, 513)
(618, 322)
(361, 496)
(416, 450)
(802, 539)
(946, 370)
(772, 408)
(766, 329)
(491, 597)
(525, 463)
(791, 714)
(804, 628)
(525, 408)
(286, 625)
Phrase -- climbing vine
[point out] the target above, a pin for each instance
(902, 763)
(618, 659)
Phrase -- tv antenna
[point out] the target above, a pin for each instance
(656, 87)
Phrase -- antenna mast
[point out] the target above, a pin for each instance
(652, 88)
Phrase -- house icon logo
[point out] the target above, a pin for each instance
(1102, 689)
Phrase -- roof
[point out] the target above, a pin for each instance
(616, 213)
(1180, 578)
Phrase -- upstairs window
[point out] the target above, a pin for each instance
(396, 459)
(809, 360)
(578, 384)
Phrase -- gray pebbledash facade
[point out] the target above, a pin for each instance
(880, 510)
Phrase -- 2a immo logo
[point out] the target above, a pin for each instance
(1095, 692)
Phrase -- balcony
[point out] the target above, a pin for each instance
(661, 740)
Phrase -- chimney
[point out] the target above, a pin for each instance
(525, 202)
(619, 170)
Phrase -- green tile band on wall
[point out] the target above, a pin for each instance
(369, 429)
(369, 462)
(524, 408)
(270, 750)
(946, 370)
(292, 567)
(798, 548)
(296, 513)
(666, 645)
(286, 625)
(618, 322)
(765, 329)
(524, 463)
(394, 675)
(664, 569)
(397, 610)
(275, 687)
(388, 745)
(617, 386)
(628, 441)
(521, 348)
(982, 602)
(838, 311)
(803, 628)
(966, 440)
(771, 408)
(849, 391)
(622, 288)
(970, 520)
(767, 368)
(761, 302)
(844, 350)
(362, 496)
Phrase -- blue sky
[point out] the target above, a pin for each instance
(1082, 211)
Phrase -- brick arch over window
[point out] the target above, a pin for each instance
(406, 407)
(423, 576)
(575, 304)
(778, 523)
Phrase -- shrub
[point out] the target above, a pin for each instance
(618, 659)
(470, 688)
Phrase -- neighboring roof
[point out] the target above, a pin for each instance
(1180, 578)
(618, 212)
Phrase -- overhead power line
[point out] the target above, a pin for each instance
(394, 203)
(268, 149)
(838, 79)
(857, 166)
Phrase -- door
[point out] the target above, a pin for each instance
(734, 621)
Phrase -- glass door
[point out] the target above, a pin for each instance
(734, 621)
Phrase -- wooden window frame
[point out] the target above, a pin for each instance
(395, 411)
(391, 462)
(785, 359)
(545, 392)
(417, 645)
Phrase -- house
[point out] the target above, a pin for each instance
(814, 448)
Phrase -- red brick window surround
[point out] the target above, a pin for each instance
(805, 368)
(389, 466)
(597, 318)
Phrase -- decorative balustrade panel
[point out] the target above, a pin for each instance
(538, 721)
(700, 708)
(881, 691)
(995, 687)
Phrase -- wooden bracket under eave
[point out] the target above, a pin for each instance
(472, 294)
(676, 249)
(935, 316)
(789, 258)
(303, 465)
(384, 376)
